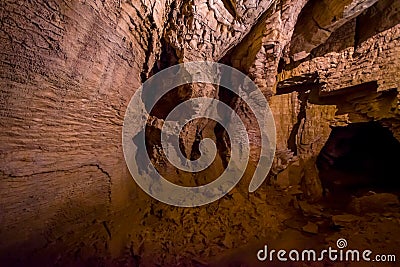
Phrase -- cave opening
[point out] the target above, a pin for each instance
(359, 158)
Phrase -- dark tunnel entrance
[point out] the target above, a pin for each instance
(358, 158)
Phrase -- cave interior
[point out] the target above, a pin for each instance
(329, 70)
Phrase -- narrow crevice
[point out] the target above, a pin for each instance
(357, 37)
(168, 55)
(150, 49)
(230, 6)
(298, 83)
(195, 150)
(109, 180)
(167, 58)
(301, 116)
(107, 229)
(223, 144)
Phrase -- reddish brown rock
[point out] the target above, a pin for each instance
(69, 68)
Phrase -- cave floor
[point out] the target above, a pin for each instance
(232, 230)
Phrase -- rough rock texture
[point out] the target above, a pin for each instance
(320, 19)
(69, 69)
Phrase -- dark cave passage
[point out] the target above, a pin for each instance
(360, 157)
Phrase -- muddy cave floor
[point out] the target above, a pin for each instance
(230, 232)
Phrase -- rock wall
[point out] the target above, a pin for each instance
(69, 69)
(67, 72)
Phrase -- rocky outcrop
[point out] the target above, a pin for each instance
(69, 69)
(320, 19)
